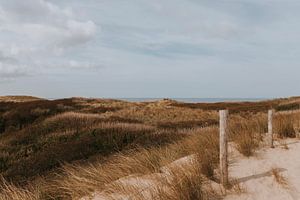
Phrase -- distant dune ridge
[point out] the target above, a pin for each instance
(83, 148)
(18, 98)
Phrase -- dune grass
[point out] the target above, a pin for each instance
(81, 146)
(247, 133)
(93, 177)
(9, 191)
(284, 125)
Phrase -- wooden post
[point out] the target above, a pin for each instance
(270, 129)
(223, 147)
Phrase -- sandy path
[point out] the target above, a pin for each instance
(255, 176)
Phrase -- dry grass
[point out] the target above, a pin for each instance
(237, 187)
(247, 133)
(184, 184)
(278, 177)
(80, 180)
(292, 104)
(284, 125)
(41, 148)
(246, 143)
(125, 139)
(18, 98)
(9, 191)
(156, 114)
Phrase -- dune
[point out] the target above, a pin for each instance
(18, 98)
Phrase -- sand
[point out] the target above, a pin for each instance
(255, 176)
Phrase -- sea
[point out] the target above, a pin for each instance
(185, 100)
(196, 100)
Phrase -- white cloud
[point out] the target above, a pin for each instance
(77, 33)
(34, 30)
(81, 65)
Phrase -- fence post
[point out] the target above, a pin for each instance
(270, 129)
(223, 147)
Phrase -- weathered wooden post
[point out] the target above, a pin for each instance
(270, 129)
(223, 147)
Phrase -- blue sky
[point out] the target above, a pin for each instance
(157, 48)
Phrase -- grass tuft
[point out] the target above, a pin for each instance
(279, 178)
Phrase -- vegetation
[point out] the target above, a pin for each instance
(247, 133)
(284, 125)
(70, 148)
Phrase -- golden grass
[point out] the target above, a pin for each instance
(247, 133)
(284, 125)
(75, 180)
(80, 180)
(18, 98)
(9, 191)
(154, 113)
(184, 184)
(246, 143)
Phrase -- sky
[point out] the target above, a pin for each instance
(156, 48)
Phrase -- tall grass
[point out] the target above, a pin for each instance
(184, 184)
(38, 150)
(284, 125)
(248, 132)
(9, 191)
(79, 180)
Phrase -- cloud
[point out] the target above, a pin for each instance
(169, 43)
(9, 71)
(81, 65)
(7, 59)
(37, 30)
(167, 29)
